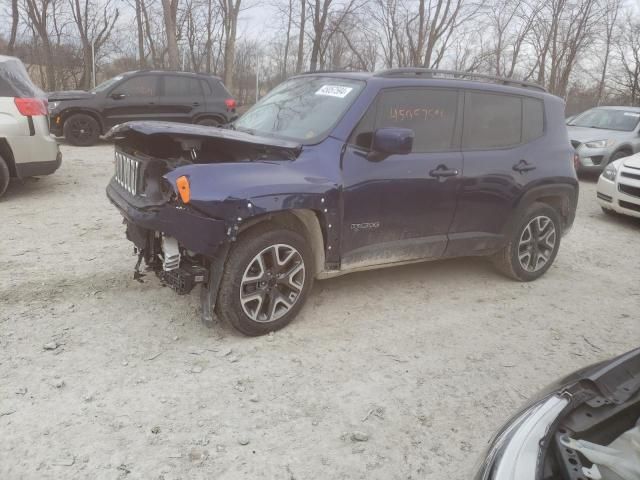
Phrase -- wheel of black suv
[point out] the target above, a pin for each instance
(81, 130)
(4, 176)
(266, 280)
(210, 122)
(534, 245)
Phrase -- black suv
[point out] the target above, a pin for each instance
(142, 95)
(332, 173)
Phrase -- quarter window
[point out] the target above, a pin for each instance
(144, 86)
(175, 86)
(532, 119)
(491, 121)
(430, 113)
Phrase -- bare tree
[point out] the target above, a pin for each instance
(610, 17)
(170, 14)
(230, 10)
(301, 33)
(15, 19)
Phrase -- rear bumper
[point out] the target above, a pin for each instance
(37, 169)
(193, 230)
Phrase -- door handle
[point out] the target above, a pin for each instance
(523, 166)
(442, 172)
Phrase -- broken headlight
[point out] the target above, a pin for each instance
(517, 451)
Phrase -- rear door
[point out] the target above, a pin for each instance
(181, 98)
(135, 98)
(500, 141)
(399, 208)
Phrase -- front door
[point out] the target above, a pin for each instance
(132, 99)
(399, 208)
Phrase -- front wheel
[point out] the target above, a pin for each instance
(4, 176)
(533, 246)
(81, 130)
(266, 279)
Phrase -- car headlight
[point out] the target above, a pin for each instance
(600, 143)
(53, 105)
(610, 172)
(517, 451)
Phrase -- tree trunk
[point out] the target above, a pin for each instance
(303, 19)
(15, 18)
(141, 60)
(170, 11)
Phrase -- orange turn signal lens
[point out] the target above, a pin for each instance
(184, 188)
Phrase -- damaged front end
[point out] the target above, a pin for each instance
(184, 240)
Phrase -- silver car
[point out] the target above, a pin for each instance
(604, 134)
(26, 148)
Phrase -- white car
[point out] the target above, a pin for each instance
(619, 187)
(26, 148)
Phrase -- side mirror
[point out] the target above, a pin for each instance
(393, 141)
(118, 96)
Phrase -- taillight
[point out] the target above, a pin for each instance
(31, 107)
(230, 103)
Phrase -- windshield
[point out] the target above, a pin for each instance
(624, 121)
(104, 85)
(303, 109)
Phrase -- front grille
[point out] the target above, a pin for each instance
(629, 190)
(127, 172)
(575, 143)
(629, 205)
(635, 176)
(604, 197)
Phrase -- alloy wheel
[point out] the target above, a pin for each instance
(272, 283)
(81, 129)
(537, 242)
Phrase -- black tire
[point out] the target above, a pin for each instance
(81, 130)
(210, 122)
(508, 260)
(242, 259)
(4, 176)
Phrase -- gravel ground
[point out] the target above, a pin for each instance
(401, 373)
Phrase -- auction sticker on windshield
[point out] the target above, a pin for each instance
(334, 91)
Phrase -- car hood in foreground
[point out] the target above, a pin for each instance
(69, 95)
(586, 134)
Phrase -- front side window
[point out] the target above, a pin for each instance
(429, 112)
(144, 86)
(606, 119)
(175, 86)
(304, 109)
(491, 121)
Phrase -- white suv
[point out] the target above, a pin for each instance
(619, 186)
(26, 148)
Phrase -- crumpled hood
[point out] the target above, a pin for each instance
(68, 95)
(199, 132)
(633, 161)
(585, 134)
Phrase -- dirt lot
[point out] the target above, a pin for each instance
(104, 377)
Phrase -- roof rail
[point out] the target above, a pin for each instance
(432, 73)
(311, 72)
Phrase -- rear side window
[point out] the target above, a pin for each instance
(175, 86)
(532, 119)
(144, 86)
(491, 121)
(430, 113)
(219, 89)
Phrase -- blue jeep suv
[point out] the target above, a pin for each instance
(332, 173)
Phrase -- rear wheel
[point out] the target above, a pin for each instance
(81, 130)
(4, 176)
(533, 246)
(266, 280)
